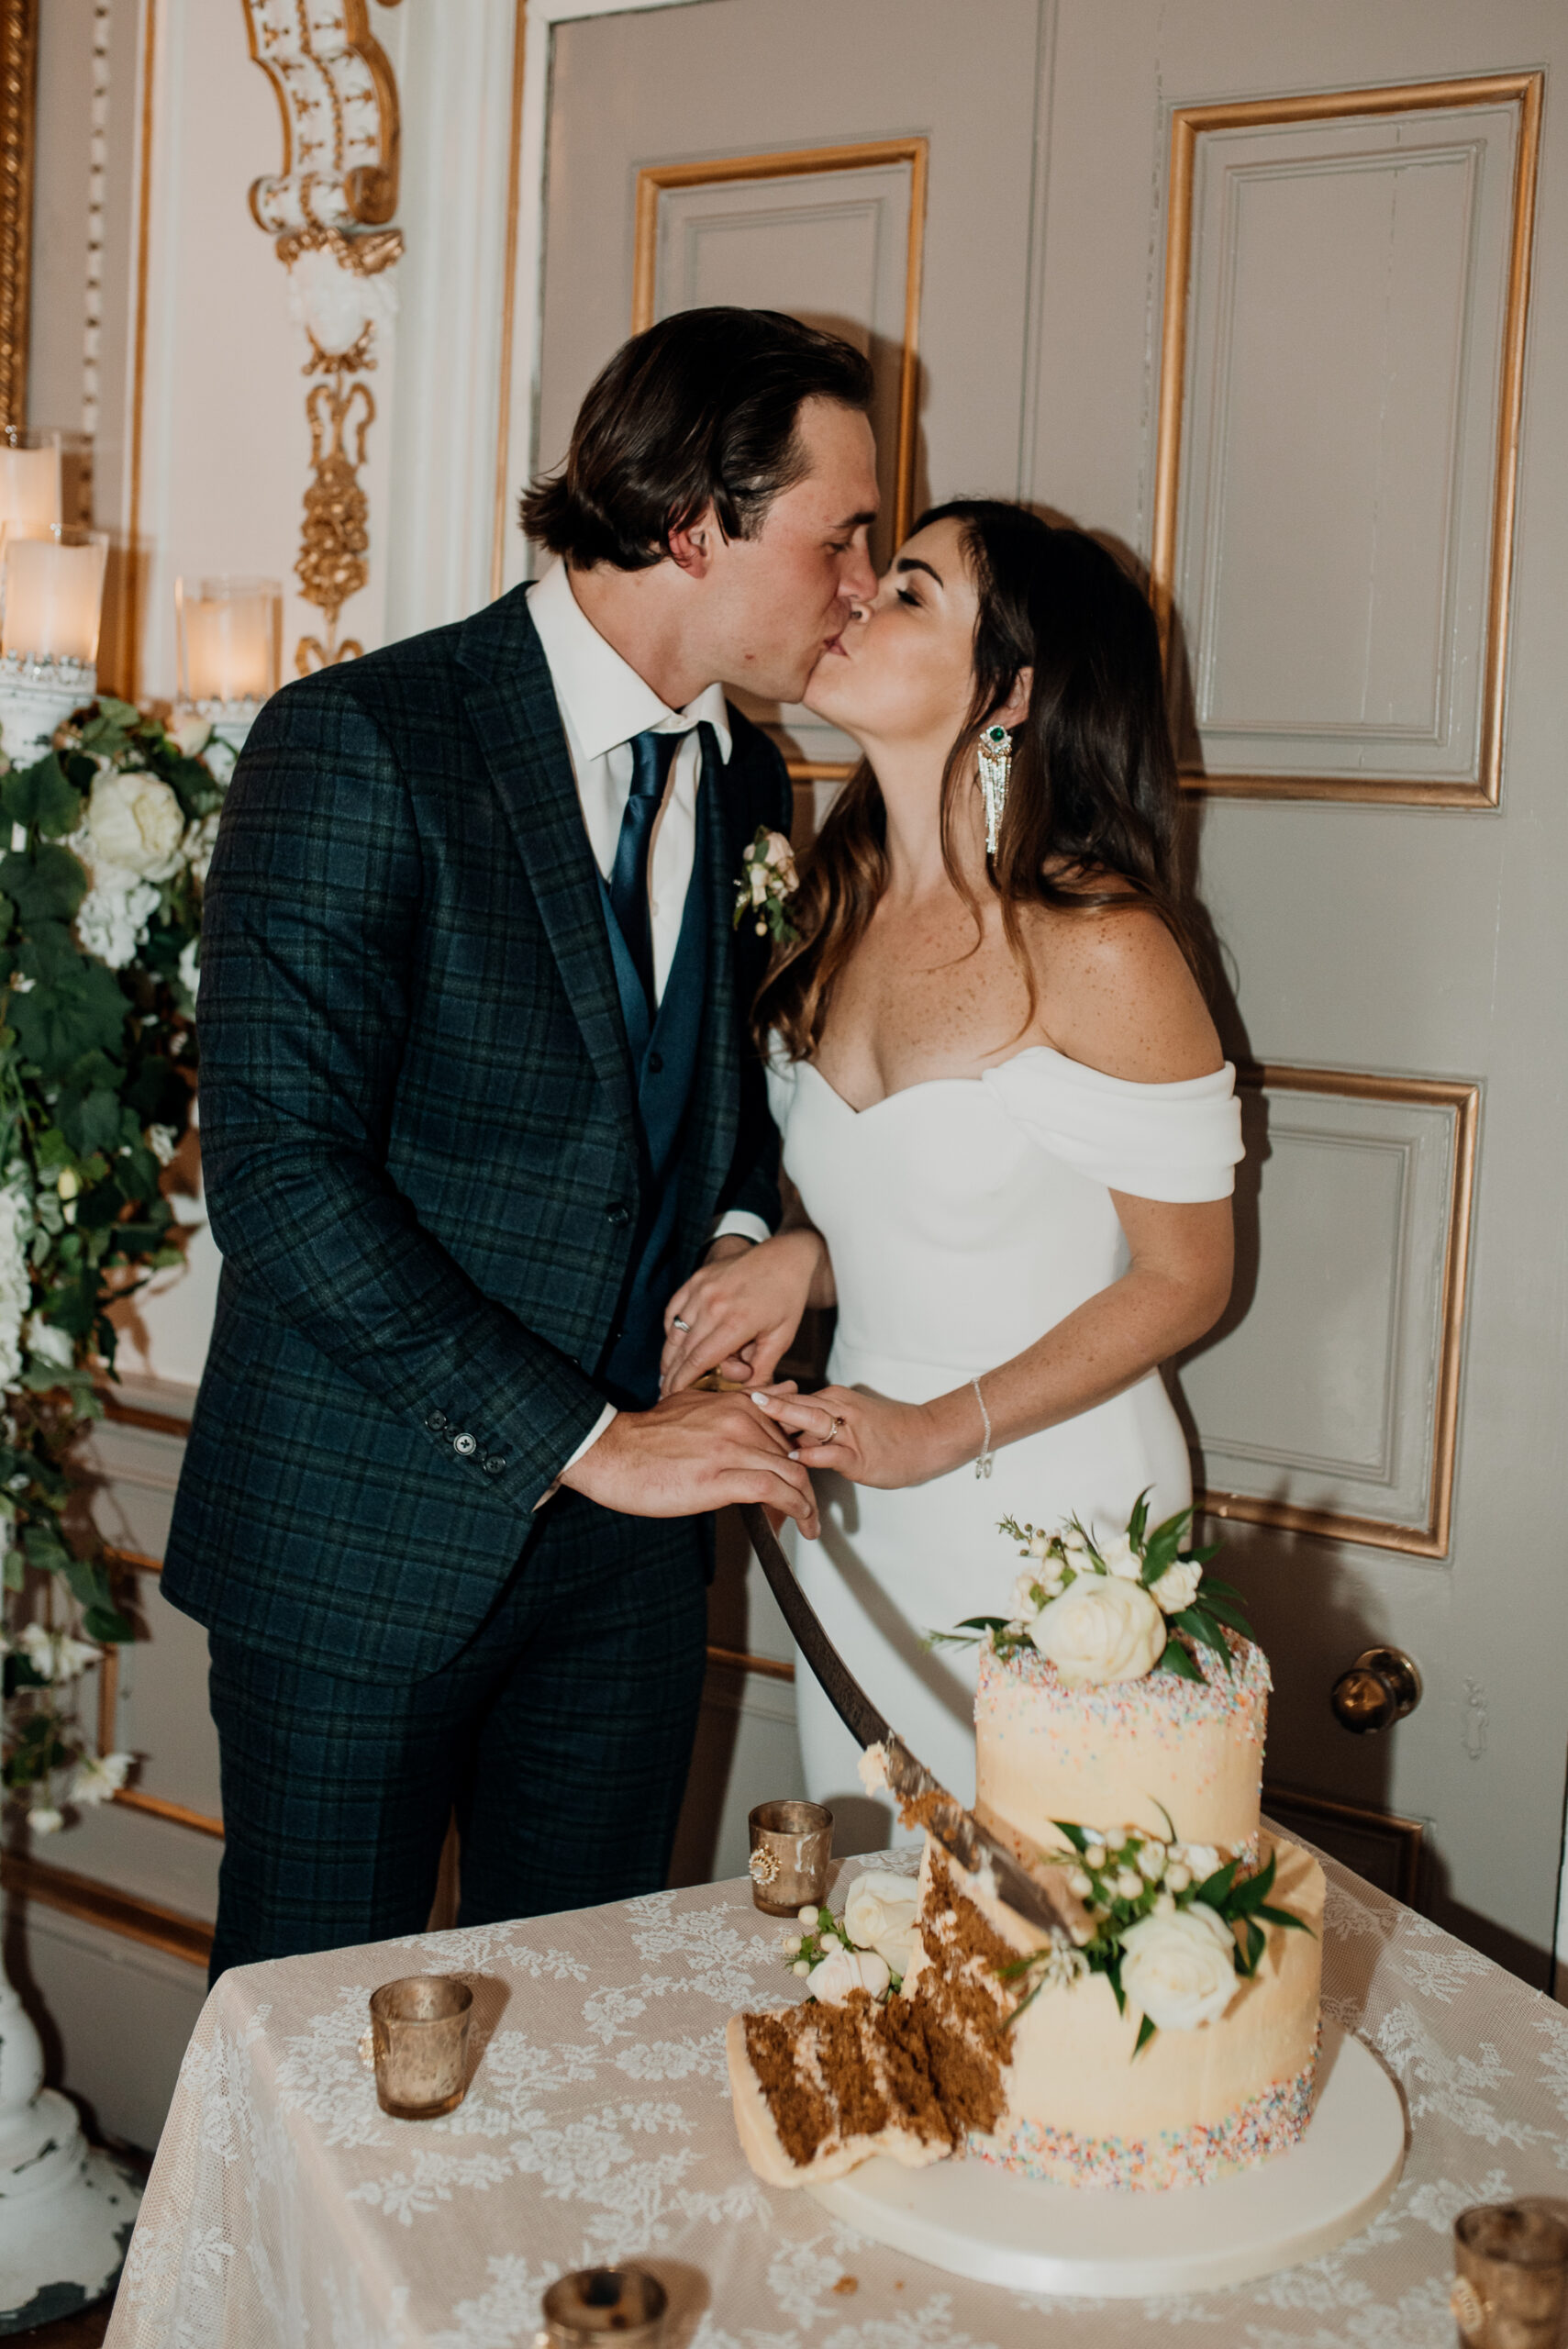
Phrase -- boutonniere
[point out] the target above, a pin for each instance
(768, 879)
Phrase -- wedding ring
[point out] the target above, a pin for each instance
(685, 1326)
(834, 1430)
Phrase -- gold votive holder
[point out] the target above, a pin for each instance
(791, 1845)
(1510, 2289)
(595, 2305)
(419, 2040)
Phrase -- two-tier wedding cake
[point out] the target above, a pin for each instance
(1166, 2032)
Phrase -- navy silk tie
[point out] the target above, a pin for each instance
(650, 757)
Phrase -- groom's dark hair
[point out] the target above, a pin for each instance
(700, 410)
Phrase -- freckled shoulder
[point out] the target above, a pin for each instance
(1115, 993)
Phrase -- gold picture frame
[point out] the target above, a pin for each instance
(19, 126)
(1188, 125)
(1431, 1540)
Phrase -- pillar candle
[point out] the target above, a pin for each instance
(53, 592)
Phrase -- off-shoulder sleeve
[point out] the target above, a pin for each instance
(1157, 1141)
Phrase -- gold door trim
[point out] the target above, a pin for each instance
(1188, 124)
(1431, 1540)
(508, 302)
(18, 130)
(125, 1913)
(802, 162)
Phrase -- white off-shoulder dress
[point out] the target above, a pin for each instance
(965, 1217)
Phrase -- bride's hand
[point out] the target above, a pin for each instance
(865, 1437)
(737, 1315)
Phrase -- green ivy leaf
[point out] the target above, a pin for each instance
(1215, 1890)
(43, 795)
(75, 1007)
(108, 1624)
(49, 886)
(1174, 1658)
(1146, 2030)
(1284, 1917)
(90, 1121)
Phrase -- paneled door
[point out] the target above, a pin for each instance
(1254, 290)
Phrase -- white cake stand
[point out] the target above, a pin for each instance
(977, 2220)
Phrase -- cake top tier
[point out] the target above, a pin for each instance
(1162, 1752)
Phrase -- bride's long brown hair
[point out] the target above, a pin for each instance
(1093, 788)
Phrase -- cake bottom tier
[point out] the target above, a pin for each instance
(1085, 2107)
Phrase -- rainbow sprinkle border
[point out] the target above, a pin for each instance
(1265, 2126)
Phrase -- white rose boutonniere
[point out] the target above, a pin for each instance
(833, 1978)
(134, 822)
(1101, 1629)
(879, 1914)
(1180, 1970)
(768, 879)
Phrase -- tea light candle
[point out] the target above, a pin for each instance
(51, 582)
(231, 639)
(30, 477)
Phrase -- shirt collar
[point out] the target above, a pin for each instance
(603, 699)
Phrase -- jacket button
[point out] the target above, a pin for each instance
(494, 1466)
(436, 1422)
(618, 1214)
(465, 1444)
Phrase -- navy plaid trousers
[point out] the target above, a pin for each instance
(561, 1735)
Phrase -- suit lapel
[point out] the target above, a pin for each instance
(513, 706)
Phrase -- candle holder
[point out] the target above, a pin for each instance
(52, 596)
(624, 2305)
(230, 649)
(791, 1848)
(419, 2041)
(1510, 2288)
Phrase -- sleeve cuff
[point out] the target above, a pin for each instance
(589, 1441)
(742, 1226)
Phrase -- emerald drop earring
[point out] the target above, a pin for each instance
(996, 762)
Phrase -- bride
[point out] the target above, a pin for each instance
(1004, 1108)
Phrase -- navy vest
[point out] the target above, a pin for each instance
(664, 1053)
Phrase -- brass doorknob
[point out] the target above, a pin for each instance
(1380, 1688)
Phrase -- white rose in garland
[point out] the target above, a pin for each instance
(1177, 1587)
(879, 1914)
(843, 1970)
(1179, 1970)
(1101, 1629)
(134, 822)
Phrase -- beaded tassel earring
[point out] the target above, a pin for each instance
(996, 761)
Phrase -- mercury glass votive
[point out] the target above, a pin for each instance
(595, 2305)
(791, 1845)
(419, 2037)
(1510, 2288)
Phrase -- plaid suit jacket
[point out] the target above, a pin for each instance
(420, 1148)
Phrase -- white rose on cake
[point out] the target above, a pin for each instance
(879, 1914)
(1177, 1587)
(1101, 1629)
(134, 822)
(843, 1970)
(1120, 1559)
(1180, 1970)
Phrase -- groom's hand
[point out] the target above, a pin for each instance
(691, 1453)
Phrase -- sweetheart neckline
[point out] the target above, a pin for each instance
(1029, 1051)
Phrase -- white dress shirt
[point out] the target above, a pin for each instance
(603, 704)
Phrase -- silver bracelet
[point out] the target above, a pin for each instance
(982, 1465)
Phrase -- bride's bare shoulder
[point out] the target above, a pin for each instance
(1116, 992)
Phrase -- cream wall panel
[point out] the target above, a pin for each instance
(1321, 1397)
(1345, 314)
(93, 1984)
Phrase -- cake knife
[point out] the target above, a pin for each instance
(1041, 1897)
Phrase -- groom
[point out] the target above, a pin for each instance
(475, 1099)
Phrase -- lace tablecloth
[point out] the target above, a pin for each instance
(284, 2208)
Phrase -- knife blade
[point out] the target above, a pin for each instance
(1041, 1897)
